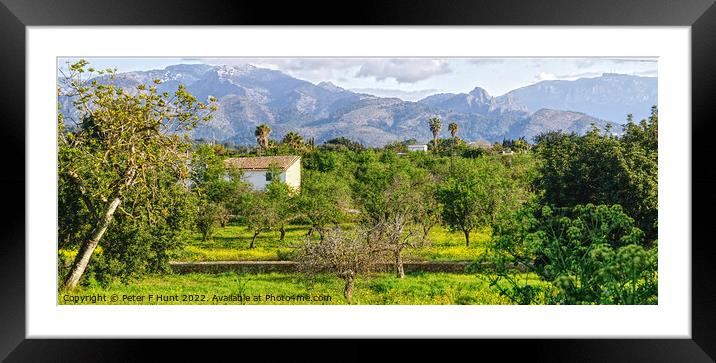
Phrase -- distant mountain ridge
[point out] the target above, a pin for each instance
(609, 97)
(249, 96)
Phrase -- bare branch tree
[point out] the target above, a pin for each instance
(345, 254)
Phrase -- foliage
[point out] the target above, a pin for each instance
(453, 129)
(124, 153)
(400, 146)
(517, 145)
(395, 224)
(477, 193)
(281, 201)
(210, 217)
(323, 200)
(259, 214)
(435, 125)
(293, 140)
(216, 188)
(601, 168)
(262, 136)
(342, 143)
(591, 254)
(321, 161)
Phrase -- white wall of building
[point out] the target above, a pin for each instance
(290, 176)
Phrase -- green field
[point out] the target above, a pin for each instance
(231, 243)
(376, 289)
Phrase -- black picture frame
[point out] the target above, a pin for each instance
(16, 15)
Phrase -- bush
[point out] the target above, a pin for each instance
(591, 254)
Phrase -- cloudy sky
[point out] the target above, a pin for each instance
(415, 78)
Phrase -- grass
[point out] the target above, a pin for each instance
(376, 289)
(231, 243)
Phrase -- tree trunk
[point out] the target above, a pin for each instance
(426, 231)
(85, 253)
(348, 289)
(399, 272)
(283, 233)
(308, 238)
(467, 237)
(253, 240)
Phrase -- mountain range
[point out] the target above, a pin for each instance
(249, 96)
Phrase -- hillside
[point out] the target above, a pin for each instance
(249, 96)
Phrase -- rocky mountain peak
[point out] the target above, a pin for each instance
(480, 93)
(328, 85)
(225, 70)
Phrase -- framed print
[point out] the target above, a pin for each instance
(488, 171)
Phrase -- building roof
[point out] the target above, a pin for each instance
(262, 162)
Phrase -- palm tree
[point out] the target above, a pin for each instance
(453, 129)
(453, 132)
(293, 140)
(435, 125)
(262, 135)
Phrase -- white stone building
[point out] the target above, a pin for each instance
(422, 148)
(257, 170)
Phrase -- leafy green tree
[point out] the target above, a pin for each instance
(429, 212)
(477, 193)
(519, 145)
(128, 146)
(323, 200)
(206, 167)
(209, 218)
(281, 198)
(342, 143)
(590, 254)
(260, 215)
(601, 168)
(435, 125)
(144, 234)
(216, 187)
(323, 161)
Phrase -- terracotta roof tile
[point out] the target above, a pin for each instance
(262, 162)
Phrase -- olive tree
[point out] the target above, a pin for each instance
(121, 141)
(281, 199)
(345, 254)
(477, 193)
(323, 200)
(396, 225)
(260, 214)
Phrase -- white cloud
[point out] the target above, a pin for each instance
(403, 70)
(544, 76)
(311, 69)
